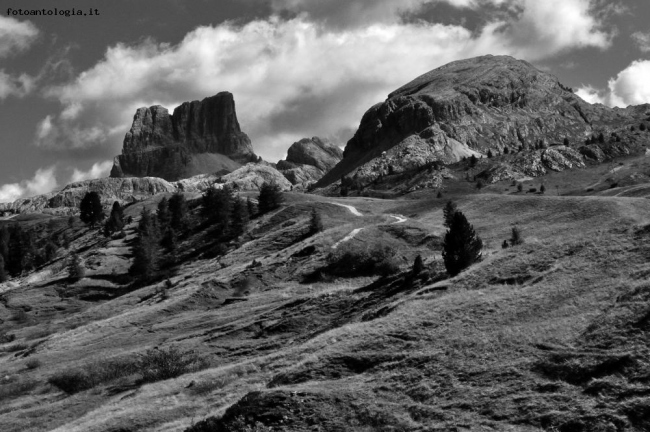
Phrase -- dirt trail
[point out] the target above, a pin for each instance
(400, 218)
(353, 210)
(348, 237)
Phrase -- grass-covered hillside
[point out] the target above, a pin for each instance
(283, 328)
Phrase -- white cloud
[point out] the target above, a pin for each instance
(298, 77)
(44, 181)
(590, 94)
(630, 87)
(15, 35)
(642, 41)
(15, 86)
(98, 170)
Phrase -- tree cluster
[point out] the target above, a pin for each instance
(22, 250)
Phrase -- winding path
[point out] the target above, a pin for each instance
(347, 237)
(353, 210)
(399, 218)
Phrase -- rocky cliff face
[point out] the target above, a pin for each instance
(308, 160)
(491, 103)
(199, 137)
(66, 201)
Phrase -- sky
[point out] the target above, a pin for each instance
(69, 85)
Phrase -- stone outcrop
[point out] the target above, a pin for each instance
(199, 137)
(252, 176)
(477, 105)
(66, 201)
(308, 160)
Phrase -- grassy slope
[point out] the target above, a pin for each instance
(481, 354)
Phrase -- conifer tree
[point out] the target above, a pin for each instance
(473, 160)
(178, 211)
(145, 251)
(461, 246)
(115, 221)
(504, 245)
(75, 270)
(516, 237)
(490, 154)
(3, 272)
(270, 198)
(163, 214)
(542, 188)
(418, 265)
(239, 217)
(90, 209)
(315, 222)
(448, 213)
(250, 205)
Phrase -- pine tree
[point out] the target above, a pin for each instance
(601, 138)
(75, 270)
(115, 221)
(3, 272)
(566, 141)
(315, 222)
(461, 246)
(448, 213)
(490, 154)
(239, 217)
(418, 265)
(473, 160)
(162, 213)
(250, 205)
(178, 211)
(504, 245)
(270, 198)
(90, 209)
(542, 188)
(146, 249)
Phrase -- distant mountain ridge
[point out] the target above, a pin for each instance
(483, 104)
(199, 137)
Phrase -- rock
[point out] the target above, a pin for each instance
(480, 104)
(66, 201)
(252, 176)
(308, 160)
(199, 137)
(593, 152)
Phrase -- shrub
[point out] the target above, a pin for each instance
(439, 195)
(356, 261)
(75, 270)
(461, 246)
(33, 364)
(515, 237)
(642, 127)
(479, 184)
(532, 190)
(161, 364)
(542, 189)
(520, 187)
(504, 245)
(71, 381)
(490, 154)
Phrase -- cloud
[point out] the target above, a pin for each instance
(642, 41)
(98, 170)
(629, 87)
(44, 181)
(15, 36)
(297, 77)
(18, 86)
(591, 94)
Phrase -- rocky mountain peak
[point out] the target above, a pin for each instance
(200, 136)
(308, 160)
(474, 106)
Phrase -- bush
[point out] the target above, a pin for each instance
(479, 184)
(160, 364)
(418, 265)
(71, 381)
(520, 187)
(75, 380)
(532, 190)
(33, 364)
(515, 237)
(504, 245)
(356, 261)
(542, 189)
(315, 222)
